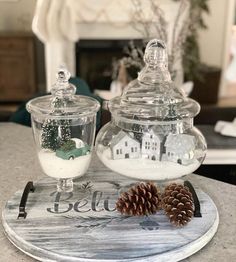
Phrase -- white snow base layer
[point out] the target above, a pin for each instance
(59, 168)
(141, 168)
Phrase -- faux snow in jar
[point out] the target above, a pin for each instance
(64, 128)
(151, 134)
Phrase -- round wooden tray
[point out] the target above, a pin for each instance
(84, 225)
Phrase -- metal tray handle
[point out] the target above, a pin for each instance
(28, 188)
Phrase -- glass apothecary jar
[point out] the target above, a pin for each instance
(151, 135)
(64, 127)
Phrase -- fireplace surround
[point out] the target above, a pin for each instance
(94, 60)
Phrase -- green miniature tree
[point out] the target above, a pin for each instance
(137, 132)
(65, 131)
(55, 133)
(172, 113)
(67, 146)
(49, 137)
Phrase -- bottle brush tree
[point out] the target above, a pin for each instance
(55, 133)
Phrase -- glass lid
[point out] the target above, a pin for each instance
(63, 103)
(153, 97)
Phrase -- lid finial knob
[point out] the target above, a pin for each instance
(62, 87)
(63, 75)
(156, 53)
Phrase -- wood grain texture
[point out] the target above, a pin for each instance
(84, 226)
(17, 67)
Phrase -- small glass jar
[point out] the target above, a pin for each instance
(64, 127)
(151, 135)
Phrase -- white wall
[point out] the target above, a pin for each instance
(16, 16)
(212, 40)
(215, 41)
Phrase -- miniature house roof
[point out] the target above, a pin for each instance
(120, 136)
(180, 142)
(151, 133)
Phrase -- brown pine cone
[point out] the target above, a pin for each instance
(177, 201)
(139, 200)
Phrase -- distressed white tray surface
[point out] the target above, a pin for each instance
(84, 226)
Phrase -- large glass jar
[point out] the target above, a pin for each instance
(64, 128)
(151, 134)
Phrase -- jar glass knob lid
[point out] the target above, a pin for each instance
(156, 60)
(62, 87)
(63, 101)
(155, 53)
(153, 97)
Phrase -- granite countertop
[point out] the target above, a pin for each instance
(18, 165)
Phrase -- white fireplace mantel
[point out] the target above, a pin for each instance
(59, 24)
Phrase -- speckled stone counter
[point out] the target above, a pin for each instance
(19, 164)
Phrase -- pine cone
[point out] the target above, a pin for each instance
(139, 200)
(177, 201)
